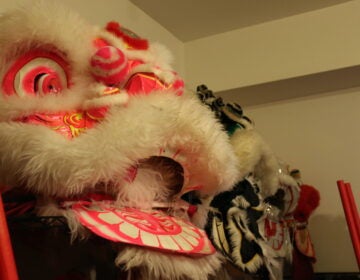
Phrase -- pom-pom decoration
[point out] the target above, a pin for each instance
(308, 201)
(109, 65)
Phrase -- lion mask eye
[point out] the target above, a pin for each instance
(36, 73)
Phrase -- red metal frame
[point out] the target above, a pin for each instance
(351, 215)
(7, 262)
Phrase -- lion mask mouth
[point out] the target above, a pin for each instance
(149, 211)
(126, 178)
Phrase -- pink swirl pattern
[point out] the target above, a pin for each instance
(152, 229)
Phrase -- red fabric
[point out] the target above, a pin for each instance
(302, 267)
(145, 83)
(308, 201)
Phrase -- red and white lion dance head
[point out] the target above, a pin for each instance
(94, 123)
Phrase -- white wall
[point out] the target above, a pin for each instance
(100, 12)
(312, 42)
(320, 135)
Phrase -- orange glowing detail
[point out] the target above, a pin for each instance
(69, 124)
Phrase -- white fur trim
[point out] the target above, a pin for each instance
(53, 165)
(12, 107)
(107, 100)
(42, 23)
(255, 156)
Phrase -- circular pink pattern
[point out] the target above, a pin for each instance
(152, 229)
(154, 222)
